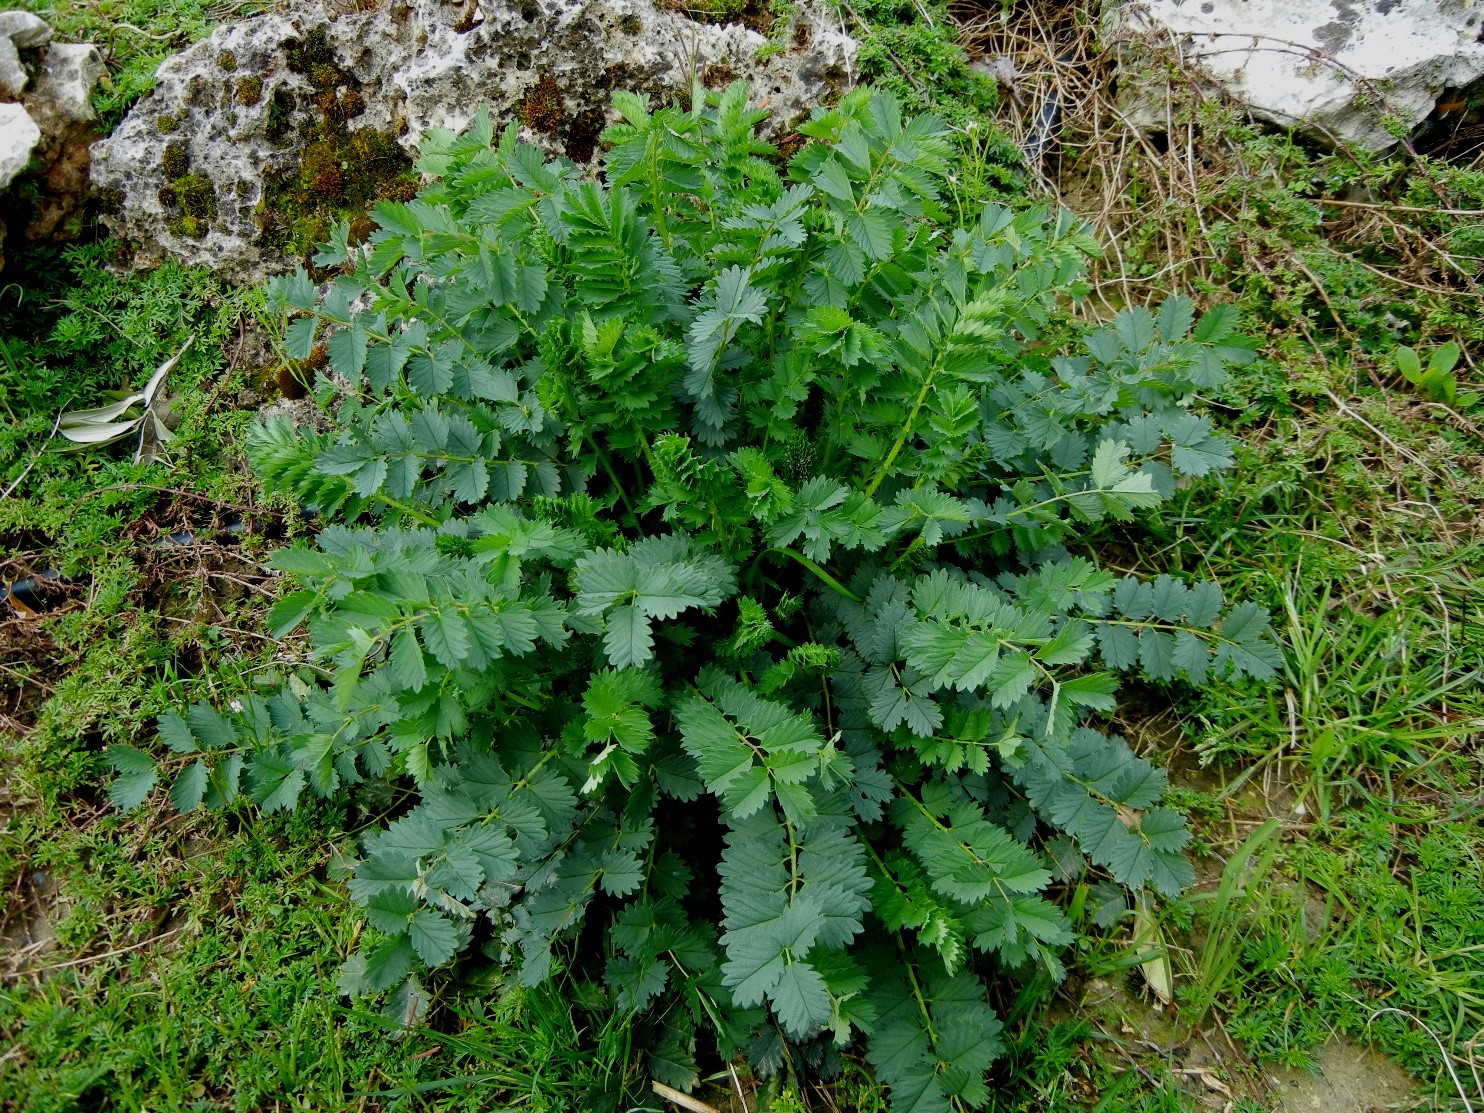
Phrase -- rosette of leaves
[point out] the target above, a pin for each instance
(709, 553)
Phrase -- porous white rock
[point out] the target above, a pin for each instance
(1339, 69)
(410, 66)
(19, 136)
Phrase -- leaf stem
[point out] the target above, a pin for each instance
(824, 576)
(618, 487)
(410, 511)
(901, 441)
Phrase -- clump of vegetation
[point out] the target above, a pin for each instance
(175, 161)
(722, 11)
(670, 546)
(341, 170)
(279, 124)
(249, 91)
(189, 198)
(544, 110)
(921, 60)
(911, 48)
(166, 124)
(1293, 981)
(196, 195)
(1349, 514)
(325, 76)
(135, 37)
(312, 58)
(544, 107)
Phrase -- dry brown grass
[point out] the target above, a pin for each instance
(1155, 172)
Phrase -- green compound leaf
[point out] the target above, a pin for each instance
(434, 937)
(748, 749)
(189, 788)
(657, 578)
(136, 778)
(965, 856)
(932, 1045)
(769, 932)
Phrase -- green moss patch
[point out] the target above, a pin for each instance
(249, 91)
(544, 108)
(312, 58)
(280, 113)
(189, 199)
(176, 161)
(340, 173)
(195, 196)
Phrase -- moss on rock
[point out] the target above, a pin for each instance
(583, 132)
(544, 108)
(176, 161)
(249, 91)
(312, 58)
(280, 113)
(201, 93)
(197, 196)
(340, 173)
(194, 196)
(325, 77)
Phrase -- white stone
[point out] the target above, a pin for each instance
(416, 69)
(69, 71)
(12, 73)
(24, 29)
(1337, 69)
(19, 136)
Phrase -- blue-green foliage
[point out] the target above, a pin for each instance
(698, 540)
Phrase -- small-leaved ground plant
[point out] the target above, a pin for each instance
(706, 564)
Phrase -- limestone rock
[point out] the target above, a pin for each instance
(25, 30)
(12, 73)
(255, 101)
(1335, 68)
(49, 132)
(18, 31)
(61, 103)
(64, 88)
(19, 136)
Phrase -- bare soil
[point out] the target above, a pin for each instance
(1349, 1079)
